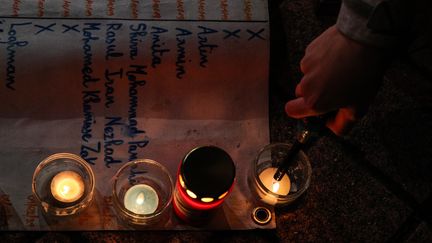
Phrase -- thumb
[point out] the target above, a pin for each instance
(298, 108)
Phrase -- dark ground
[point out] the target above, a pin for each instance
(374, 185)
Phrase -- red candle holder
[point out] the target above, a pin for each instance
(205, 178)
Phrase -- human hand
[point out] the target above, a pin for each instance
(340, 75)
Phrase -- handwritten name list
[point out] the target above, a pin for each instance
(115, 81)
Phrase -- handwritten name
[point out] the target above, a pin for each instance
(12, 44)
(110, 141)
(88, 38)
(89, 98)
(181, 52)
(135, 37)
(110, 79)
(204, 47)
(157, 45)
(136, 80)
(110, 39)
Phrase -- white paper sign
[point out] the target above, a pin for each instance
(113, 81)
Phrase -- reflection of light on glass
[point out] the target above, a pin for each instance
(140, 199)
(191, 194)
(275, 187)
(182, 184)
(207, 199)
(223, 195)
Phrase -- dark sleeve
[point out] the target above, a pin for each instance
(378, 23)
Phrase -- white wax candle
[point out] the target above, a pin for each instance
(141, 199)
(67, 186)
(281, 187)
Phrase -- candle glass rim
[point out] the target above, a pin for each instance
(88, 197)
(289, 197)
(139, 218)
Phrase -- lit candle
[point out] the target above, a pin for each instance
(141, 199)
(205, 178)
(281, 187)
(67, 186)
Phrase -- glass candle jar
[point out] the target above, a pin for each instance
(63, 184)
(205, 177)
(142, 192)
(293, 184)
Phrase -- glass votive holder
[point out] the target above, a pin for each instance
(293, 184)
(205, 178)
(63, 184)
(142, 192)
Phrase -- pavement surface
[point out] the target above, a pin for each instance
(373, 185)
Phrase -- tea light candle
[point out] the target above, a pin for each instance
(281, 187)
(67, 186)
(141, 199)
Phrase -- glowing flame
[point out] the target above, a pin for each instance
(65, 190)
(140, 199)
(275, 186)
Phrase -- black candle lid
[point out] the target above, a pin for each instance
(208, 171)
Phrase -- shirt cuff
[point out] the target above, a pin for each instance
(353, 23)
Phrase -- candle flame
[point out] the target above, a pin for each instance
(275, 186)
(65, 190)
(140, 199)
